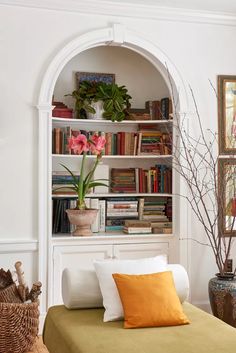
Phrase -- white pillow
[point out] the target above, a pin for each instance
(104, 270)
(80, 289)
(181, 280)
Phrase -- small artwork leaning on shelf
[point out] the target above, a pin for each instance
(94, 77)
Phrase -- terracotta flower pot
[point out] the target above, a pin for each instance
(82, 219)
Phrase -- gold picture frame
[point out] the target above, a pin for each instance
(227, 196)
(227, 114)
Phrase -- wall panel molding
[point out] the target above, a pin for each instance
(144, 11)
(17, 246)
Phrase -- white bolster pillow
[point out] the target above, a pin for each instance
(181, 280)
(80, 288)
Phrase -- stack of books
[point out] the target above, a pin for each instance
(61, 110)
(123, 180)
(61, 181)
(118, 210)
(137, 227)
(157, 211)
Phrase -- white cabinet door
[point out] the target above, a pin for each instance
(75, 257)
(137, 251)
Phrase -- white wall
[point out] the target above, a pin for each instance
(139, 76)
(30, 38)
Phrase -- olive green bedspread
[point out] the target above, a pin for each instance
(83, 331)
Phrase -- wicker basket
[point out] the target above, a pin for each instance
(18, 326)
(10, 294)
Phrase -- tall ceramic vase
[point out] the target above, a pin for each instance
(82, 219)
(222, 294)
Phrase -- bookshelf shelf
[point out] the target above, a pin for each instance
(115, 195)
(151, 156)
(65, 237)
(72, 122)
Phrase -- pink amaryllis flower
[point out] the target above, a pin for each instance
(79, 144)
(98, 144)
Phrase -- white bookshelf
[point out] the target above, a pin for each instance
(127, 161)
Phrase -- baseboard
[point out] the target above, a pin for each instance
(204, 306)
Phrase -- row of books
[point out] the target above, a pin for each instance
(159, 109)
(154, 110)
(142, 142)
(117, 214)
(157, 179)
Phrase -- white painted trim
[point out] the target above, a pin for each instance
(143, 11)
(115, 34)
(16, 246)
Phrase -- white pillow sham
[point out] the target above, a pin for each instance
(104, 270)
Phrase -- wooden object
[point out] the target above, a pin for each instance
(35, 291)
(22, 287)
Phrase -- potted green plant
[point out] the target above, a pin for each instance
(115, 99)
(84, 96)
(81, 216)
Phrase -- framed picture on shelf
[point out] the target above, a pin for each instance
(94, 76)
(227, 114)
(227, 193)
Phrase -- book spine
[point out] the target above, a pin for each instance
(102, 215)
(94, 203)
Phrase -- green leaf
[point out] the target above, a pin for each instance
(72, 174)
(92, 184)
(119, 107)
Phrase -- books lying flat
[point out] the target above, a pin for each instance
(137, 230)
(137, 224)
(161, 230)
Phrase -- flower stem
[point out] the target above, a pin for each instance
(81, 181)
(91, 175)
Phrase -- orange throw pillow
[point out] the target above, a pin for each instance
(149, 300)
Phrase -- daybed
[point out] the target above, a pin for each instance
(84, 331)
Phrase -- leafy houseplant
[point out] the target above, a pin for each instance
(82, 216)
(116, 100)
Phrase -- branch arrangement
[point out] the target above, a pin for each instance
(196, 160)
